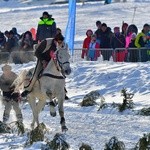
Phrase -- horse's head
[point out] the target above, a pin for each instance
(63, 57)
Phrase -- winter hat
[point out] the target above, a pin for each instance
(46, 14)
(6, 67)
(89, 30)
(146, 25)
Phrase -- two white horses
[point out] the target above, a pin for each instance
(50, 84)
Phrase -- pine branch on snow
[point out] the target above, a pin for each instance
(144, 143)
(36, 134)
(114, 144)
(58, 143)
(85, 147)
(4, 128)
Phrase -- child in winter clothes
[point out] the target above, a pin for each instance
(93, 52)
(86, 43)
(10, 99)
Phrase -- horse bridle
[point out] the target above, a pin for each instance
(60, 63)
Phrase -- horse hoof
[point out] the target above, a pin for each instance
(64, 128)
(53, 114)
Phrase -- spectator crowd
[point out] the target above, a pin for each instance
(124, 44)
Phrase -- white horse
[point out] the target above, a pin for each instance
(50, 84)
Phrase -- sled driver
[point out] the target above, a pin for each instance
(42, 52)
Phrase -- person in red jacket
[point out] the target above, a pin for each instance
(86, 43)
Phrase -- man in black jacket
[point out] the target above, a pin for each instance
(46, 27)
(105, 41)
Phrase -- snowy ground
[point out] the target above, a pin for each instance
(87, 124)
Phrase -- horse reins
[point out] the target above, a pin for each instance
(53, 76)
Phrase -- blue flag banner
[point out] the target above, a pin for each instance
(70, 29)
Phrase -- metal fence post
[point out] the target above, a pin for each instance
(139, 54)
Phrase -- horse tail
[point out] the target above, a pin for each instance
(19, 81)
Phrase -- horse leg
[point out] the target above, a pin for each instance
(52, 104)
(32, 102)
(52, 109)
(61, 111)
(39, 107)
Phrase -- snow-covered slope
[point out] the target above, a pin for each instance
(87, 124)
